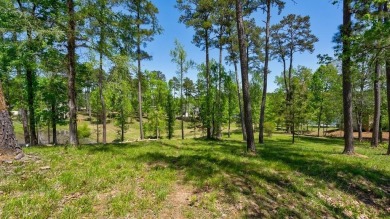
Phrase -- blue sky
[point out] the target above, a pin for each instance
(325, 19)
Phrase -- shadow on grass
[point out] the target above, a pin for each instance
(205, 167)
(209, 172)
(371, 187)
(270, 191)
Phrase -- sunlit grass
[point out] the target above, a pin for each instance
(196, 178)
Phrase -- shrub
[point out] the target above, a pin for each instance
(269, 127)
(84, 131)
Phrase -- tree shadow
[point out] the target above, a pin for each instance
(204, 165)
(368, 185)
(269, 192)
(233, 177)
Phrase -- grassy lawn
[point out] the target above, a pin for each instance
(113, 132)
(195, 178)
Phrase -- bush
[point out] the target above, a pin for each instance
(84, 131)
(269, 127)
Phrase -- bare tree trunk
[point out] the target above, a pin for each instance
(229, 125)
(97, 128)
(88, 105)
(48, 131)
(240, 104)
(30, 77)
(386, 20)
(380, 130)
(293, 127)
(265, 76)
(377, 106)
(388, 93)
(30, 100)
(360, 126)
(122, 125)
(347, 78)
(8, 142)
(141, 129)
(245, 80)
(208, 125)
(73, 138)
(181, 99)
(24, 118)
(219, 119)
(102, 101)
(319, 120)
(54, 122)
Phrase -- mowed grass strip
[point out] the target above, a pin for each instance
(196, 178)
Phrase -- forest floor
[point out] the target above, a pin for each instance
(195, 178)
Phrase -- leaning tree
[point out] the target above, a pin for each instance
(8, 142)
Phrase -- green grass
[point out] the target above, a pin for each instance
(196, 178)
(113, 131)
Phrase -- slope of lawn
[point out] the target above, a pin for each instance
(196, 178)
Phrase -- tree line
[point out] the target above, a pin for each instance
(59, 57)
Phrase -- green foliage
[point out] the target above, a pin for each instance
(170, 110)
(325, 101)
(118, 92)
(83, 131)
(155, 97)
(269, 128)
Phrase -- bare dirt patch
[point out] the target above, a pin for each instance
(4, 158)
(178, 201)
(28, 158)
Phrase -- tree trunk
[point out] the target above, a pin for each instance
(73, 138)
(293, 127)
(388, 94)
(8, 142)
(240, 104)
(377, 106)
(245, 80)
(140, 101)
(290, 98)
(229, 124)
(380, 130)
(219, 119)
(122, 125)
(141, 129)
(88, 104)
(347, 78)
(30, 100)
(24, 118)
(208, 125)
(386, 10)
(265, 76)
(97, 128)
(54, 121)
(31, 80)
(319, 120)
(286, 85)
(102, 101)
(181, 99)
(359, 122)
(48, 131)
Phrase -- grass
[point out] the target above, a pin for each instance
(195, 178)
(113, 131)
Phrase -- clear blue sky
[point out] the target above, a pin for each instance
(325, 19)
